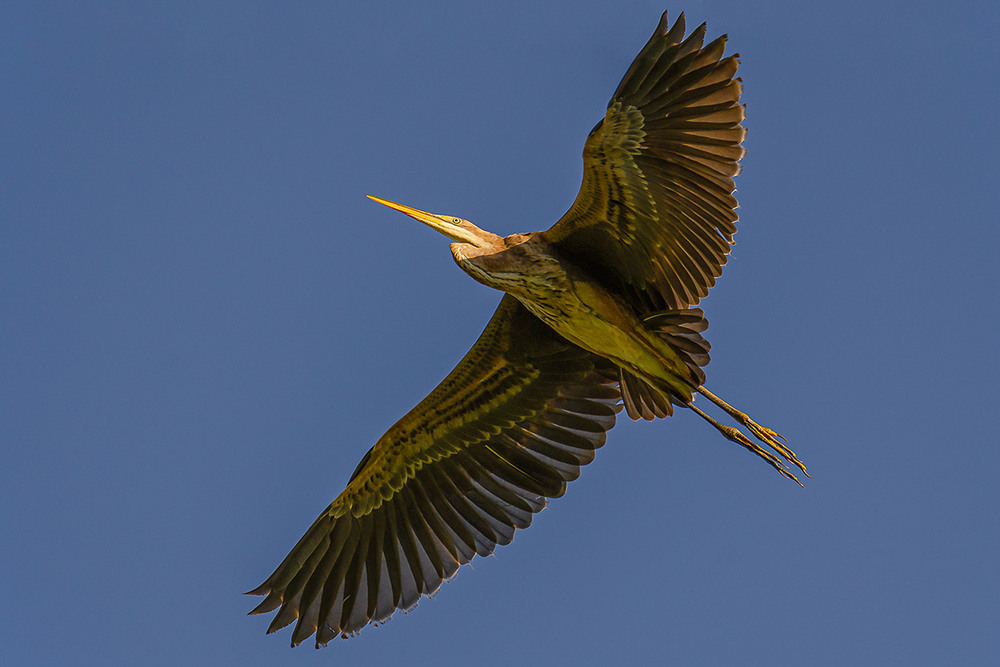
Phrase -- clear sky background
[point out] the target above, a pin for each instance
(205, 325)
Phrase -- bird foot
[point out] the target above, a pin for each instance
(775, 441)
(737, 436)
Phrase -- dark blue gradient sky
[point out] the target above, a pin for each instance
(205, 325)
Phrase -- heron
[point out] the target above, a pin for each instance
(598, 313)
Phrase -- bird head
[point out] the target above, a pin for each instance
(457, 229)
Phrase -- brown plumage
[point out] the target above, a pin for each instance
(598, 312)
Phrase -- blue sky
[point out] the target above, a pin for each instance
(205, 325)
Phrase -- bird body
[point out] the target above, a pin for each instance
(598, 312)
(577, 306)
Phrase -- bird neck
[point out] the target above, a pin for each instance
(519, 265)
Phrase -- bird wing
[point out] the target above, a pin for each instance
(656, 207)
(453, 478)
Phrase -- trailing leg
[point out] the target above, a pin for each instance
(763, 433)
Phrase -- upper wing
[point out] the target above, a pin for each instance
(453, 478)
(656, 208)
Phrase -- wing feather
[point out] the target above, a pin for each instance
(473, 462)
(656, 207)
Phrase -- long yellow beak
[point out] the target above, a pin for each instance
(453, 228)
(417, 214)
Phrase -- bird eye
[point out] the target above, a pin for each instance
(457, 221)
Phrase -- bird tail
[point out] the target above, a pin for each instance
(681, 331)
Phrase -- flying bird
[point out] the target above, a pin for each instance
(598, 312)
